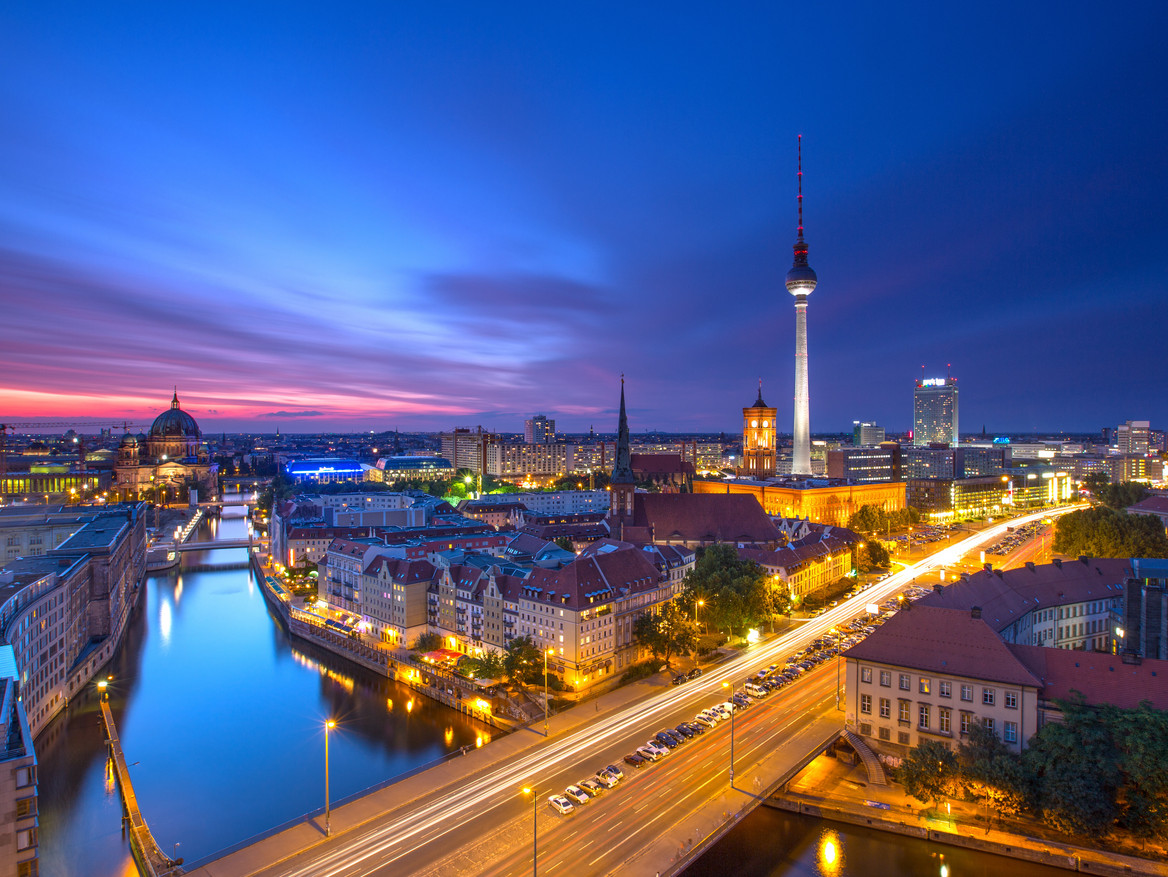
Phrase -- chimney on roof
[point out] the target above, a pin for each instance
(965, 577)
(1083, 558)
(975, 612)
(989, 567)
(1057, 561)
(938, 588)
(1030, 565)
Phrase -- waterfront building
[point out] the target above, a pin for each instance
(395, 607)
(345, 562)
(759, 439)
(866, 434)
(935, 412)
(165, 463)
(931, 673)
(801, 281)
(539, 430)
(19, 840)
(824, 500)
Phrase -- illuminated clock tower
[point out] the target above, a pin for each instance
(758, 439)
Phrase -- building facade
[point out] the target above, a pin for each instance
(935, 412)
(821, 500)
(759, 439)
(167, 463)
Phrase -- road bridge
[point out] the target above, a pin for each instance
(467, 815)
(218, 543)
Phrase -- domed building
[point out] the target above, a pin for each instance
(168, 462)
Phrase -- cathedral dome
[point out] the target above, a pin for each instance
(174, 423)
(128, 441)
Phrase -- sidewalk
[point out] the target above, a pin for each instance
(831, 789)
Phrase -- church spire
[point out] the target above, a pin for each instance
(622, 472)
(758, 403)
(174, 401)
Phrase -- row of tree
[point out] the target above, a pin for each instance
(1105, 532)
(1116, 496)
(1099, 768)
(873, 519)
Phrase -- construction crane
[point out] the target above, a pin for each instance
(7, 429)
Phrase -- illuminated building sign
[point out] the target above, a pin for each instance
(933, 382)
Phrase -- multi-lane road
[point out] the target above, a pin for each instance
(604, 833)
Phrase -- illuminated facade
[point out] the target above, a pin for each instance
(822, 500)
(935, 412)
(801, 282)
(759, 436)
(164, 464)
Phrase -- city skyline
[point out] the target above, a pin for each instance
(453, 216)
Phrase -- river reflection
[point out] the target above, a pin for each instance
(775, 843)
(222, 721)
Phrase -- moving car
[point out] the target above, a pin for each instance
(560, 804)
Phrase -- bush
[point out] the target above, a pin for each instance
(428, 642)
(643, 670)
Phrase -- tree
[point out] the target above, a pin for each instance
(565, 543)
(872, 555)
(1105, 532)
(666, 632)
(523, 661)
(928, 772)
(869, 519)
(737, 592)
(488, 665)
(1142, 734)
(991, 772)
(428, 642)
(1124, 494)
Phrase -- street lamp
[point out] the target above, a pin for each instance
(698, 605)
(545, 689)
(838, 638)
(534, 825)
(102, 693)
(733, 691)
(328, 726)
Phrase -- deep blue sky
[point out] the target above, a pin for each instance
(369, 216)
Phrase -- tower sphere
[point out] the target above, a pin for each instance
(801, 280)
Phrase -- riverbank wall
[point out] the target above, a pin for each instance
(1037, 850)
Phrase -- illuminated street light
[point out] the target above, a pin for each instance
(733, 691)
(545, 690)
(328, 726)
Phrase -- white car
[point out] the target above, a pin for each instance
(705, 720)
(646, 753)
(577, 794)
(606, 779)
(615, 771)
(656, 748)
(560, 804)
(728, 707)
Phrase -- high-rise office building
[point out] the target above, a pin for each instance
(539, 430)
(1133, 437)
(866, 434)
(935, 412)
(801, 282)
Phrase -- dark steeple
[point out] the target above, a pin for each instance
(622, 472)
(758, 403)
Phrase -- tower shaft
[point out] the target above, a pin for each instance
(801, 451)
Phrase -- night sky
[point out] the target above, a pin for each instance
(341, 216)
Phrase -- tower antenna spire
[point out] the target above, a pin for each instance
(800, 176)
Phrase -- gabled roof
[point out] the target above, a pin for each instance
(945, 641)
(661, 464)
(593, 579)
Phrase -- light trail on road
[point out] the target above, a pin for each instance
(373, 847)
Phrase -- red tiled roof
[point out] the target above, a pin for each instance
(660, 464)
(604, 576)
(1099, 677)
(947, 641)
(1153, 505)
(703, 517)
(1006, 595)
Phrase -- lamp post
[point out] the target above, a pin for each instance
(328, 829)
(545, 689)
(838, 638)
(534, 826)
(733, 691)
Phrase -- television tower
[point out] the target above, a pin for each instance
(801, 283)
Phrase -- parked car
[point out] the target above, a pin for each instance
(666, 741)
(680, 679)
(577, 794)
(694, 673)
(560, 804)
(704, 720)
(635, 760)
(606, 779)
(656, 747)
(615, 771)
(647, 754)
(685, 731)
(592, 787)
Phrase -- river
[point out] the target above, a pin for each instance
(222, 721)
